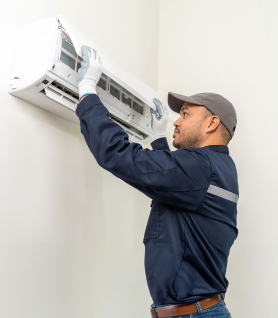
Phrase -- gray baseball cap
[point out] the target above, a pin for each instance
(216, 103)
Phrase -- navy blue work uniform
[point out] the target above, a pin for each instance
(193, 219)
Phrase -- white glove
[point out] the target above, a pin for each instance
(159, 119)
(90, 71)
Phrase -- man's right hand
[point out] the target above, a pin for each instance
(159, 119)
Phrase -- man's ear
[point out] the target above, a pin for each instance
(214, 123)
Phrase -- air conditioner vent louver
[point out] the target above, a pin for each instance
(65, 89)
(127, 127)
(120, 121)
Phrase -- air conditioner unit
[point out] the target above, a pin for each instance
(46, 61)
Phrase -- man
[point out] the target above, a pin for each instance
(194, 192)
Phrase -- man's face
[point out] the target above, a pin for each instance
(189, 131)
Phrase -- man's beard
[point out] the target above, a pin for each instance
(192, 139)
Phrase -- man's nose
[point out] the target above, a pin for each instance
(177, 122)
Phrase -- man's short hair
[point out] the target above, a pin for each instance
(226, 137)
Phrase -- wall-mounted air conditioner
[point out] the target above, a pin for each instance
(46, 61)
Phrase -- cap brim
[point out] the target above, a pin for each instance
(175, 101)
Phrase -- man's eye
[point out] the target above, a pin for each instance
(184, 113)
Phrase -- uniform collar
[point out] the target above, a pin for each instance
(217, 148)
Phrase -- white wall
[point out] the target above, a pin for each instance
(71, 234)
(231, 48)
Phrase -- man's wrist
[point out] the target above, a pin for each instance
(83, 97)
(159, 136)
(85, 90)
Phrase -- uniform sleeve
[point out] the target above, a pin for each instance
(160, 144)
(179, 178)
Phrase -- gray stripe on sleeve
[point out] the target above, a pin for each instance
(222, 193)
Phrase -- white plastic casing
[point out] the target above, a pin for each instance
(40, 77)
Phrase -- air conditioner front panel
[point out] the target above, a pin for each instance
(114, 70)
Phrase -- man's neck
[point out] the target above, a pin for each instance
(212, 142)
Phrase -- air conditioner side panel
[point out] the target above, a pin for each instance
(35, 48)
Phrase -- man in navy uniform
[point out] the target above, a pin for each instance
(194, 192)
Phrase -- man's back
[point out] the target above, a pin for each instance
(187, 250)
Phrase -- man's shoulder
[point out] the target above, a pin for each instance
(195, 155)
(194, 162)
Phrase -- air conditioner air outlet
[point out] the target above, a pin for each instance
(139, 134)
